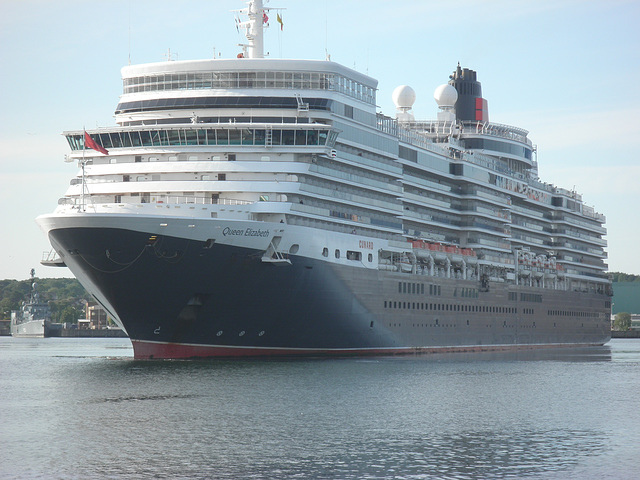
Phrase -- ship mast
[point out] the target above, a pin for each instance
(254, 26)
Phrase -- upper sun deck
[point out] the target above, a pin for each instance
(247, 73)
(437, 128)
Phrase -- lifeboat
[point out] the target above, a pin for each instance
(388, 268)
(405, 266)
(440, 252)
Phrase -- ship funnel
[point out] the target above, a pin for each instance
(470, 105)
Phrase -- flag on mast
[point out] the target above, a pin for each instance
(91, 143)
(279, 19)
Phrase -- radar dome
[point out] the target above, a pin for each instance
(446, 95)
(403, 97)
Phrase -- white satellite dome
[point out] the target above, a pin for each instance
(446, 95)
(403, 97)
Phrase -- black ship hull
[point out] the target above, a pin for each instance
(182, 298)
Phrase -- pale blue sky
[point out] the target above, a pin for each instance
(566, 70)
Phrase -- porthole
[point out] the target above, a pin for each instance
(293, 249)
(219, 333)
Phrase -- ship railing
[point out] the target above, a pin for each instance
(579, 223)
(152, 199)
(51, 258)
(418, 134)
(595, 215)
(434, 127)
(497, 130)
(179, 200)
(569, 193)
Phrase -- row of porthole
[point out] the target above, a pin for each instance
(418, 288)
(241, 334)
(565, 313)
(351, 255)
(434, 324)
(449, 307)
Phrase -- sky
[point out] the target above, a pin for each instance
(565, 70)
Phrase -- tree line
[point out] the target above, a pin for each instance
(65, 296)
(623, 277)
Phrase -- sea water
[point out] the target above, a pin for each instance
(83, 408)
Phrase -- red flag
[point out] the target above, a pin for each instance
(90, 142)
(265, 19)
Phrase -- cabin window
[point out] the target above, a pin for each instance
(348, 111)
(351, 255)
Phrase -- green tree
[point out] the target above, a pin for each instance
(59, 293)
(623, 277)
(622, 321)
(69, 315)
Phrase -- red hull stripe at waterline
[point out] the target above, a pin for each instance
(143, 350)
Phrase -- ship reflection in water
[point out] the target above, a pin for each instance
(550, 414)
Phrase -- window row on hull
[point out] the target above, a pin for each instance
(219, 102)
(208, 136)
(244, 79)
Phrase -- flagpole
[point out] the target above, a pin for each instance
(84, 146)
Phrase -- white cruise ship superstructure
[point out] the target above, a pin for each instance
(258, 206)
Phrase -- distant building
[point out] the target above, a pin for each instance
(626, 297)
(84, 323)
(5, 327)
(95, 317)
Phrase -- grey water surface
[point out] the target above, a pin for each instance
(83, 408)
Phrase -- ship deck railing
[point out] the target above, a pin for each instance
(154, 199)
(436, 127)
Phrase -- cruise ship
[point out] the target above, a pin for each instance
(257, 206)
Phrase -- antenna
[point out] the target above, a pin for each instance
(326, 31)
(129, 32)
